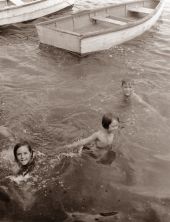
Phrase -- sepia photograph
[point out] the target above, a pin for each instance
(84, 110)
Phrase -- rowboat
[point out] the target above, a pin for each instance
(102, 28)
(13, 11)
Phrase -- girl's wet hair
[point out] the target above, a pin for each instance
(107, 120)
(18, 145)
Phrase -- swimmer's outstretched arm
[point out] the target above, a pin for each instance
(84, 141)
(141, 101)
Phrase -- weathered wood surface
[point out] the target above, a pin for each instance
(108, 20)
(18, 11)
(102, 28)
(141, 10)
(17, 2)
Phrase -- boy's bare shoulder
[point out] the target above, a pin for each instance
(139, 99)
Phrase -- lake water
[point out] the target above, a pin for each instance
(52, 98)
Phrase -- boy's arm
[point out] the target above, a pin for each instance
(84, 141)
(141, 101)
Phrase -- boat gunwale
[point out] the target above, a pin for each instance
(129, 25)
(65, 31)
(11, 7)
(84, 12)
(82, 36)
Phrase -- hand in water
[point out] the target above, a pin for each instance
(76, 150)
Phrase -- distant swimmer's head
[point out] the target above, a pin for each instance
(23, 153)
(110, 122)
(127, 87)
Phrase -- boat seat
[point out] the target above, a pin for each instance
(140, 10)
(17, 2)
(122, 19)
(108, 20)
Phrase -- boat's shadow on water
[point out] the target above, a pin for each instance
(57, 52)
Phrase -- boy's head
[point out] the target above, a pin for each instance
(127, 87)
(110, 121)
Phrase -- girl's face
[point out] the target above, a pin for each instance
(114, 125)
(23, 155)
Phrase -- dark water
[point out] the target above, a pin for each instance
(52, 98)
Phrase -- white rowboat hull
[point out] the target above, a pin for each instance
(101, 29)
(109, 40)
(30, 11)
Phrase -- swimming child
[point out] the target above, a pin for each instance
(127, 88)
(24, 156)
(104, 140)
(129, 94)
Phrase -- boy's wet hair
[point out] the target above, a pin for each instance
(107, 120)
(126, 81)
(18, 145)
